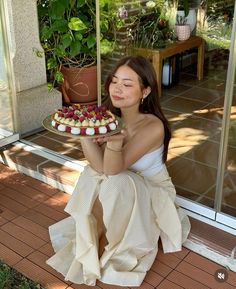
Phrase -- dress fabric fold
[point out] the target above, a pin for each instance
(137, 211)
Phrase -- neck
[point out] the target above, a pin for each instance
(130, 116)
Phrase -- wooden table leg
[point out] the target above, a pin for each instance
(157, 64)
(200, 60)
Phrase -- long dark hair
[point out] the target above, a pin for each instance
(151, 104)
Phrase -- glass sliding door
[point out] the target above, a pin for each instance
(202, 113)
(225, 202)
(8, 114)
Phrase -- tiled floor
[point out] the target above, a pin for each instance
(28, 207)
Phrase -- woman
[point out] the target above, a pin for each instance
(124, 200)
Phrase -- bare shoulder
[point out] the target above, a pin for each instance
(151, 130)
(153, 123)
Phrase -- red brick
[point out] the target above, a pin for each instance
(168, 259)
(209, 266)
(50, 212)
(7, 214)
(39, 275)
(8, 256)
(30, 226)
(12, 205)
(201, 276)
(184, 281)
(20, 197)
(17, 246)
(23, 235)
(47, 249)
(153, 278)
(38, 218)
(40, 259)
(161, 268)
(166, 284)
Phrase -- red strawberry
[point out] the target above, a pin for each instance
(75, 117)
(98, 116)
(56, 125)
(108, 128)
(68, 129)
(81, 118)
(90, 108)
(85, 113)
(83, 131)
(96, 129)
(65, 109)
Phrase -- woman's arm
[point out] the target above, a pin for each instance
(122, 151)
(93, 152)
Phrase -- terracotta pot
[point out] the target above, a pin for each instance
(183, 32)
(80, 84)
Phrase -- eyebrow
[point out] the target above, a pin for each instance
(124, 78)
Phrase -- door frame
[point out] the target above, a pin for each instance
(7, 137)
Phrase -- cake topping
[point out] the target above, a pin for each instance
(84, 120)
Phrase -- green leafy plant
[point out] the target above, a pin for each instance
(67, 34)
(150, 27)
(67, 31)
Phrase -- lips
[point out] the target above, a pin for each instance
(116, 97)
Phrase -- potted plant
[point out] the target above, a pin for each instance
(187, 8)
(68, 36)
(183, 29)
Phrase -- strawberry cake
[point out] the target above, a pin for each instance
(84, 120)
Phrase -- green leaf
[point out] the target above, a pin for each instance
(51, 63)
(59, 26)
(65, 41)
(91, 41)
(59, 76)
(78, 36)
(76, 24)
(72, 3)
(57, 8)
(75, 48)
(80, 3)
(46, 33)
(50, 86)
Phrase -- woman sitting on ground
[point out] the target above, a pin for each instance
(124, 199)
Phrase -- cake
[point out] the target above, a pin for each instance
(86, 120)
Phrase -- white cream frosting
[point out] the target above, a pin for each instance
(61, 127)
(102, 130)
(75, 130)
(90, 131)
(112, 126)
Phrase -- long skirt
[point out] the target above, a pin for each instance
(137, 211)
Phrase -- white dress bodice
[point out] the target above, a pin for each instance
(149, 164)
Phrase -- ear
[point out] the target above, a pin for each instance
(146, 91)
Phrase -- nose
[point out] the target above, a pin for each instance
(118, 86)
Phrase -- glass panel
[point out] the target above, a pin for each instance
(195, 109)
(6, 111)
(229, 185)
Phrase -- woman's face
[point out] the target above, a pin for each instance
(125, 90)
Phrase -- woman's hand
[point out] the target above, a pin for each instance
(114, 140)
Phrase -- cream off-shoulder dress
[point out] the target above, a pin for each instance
(138, 209)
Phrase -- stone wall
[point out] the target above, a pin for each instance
(33, 98)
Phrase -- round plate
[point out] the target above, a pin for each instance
(47, 125)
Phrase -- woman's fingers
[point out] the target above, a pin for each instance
(114, 137)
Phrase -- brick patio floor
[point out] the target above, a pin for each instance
(28, 207)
